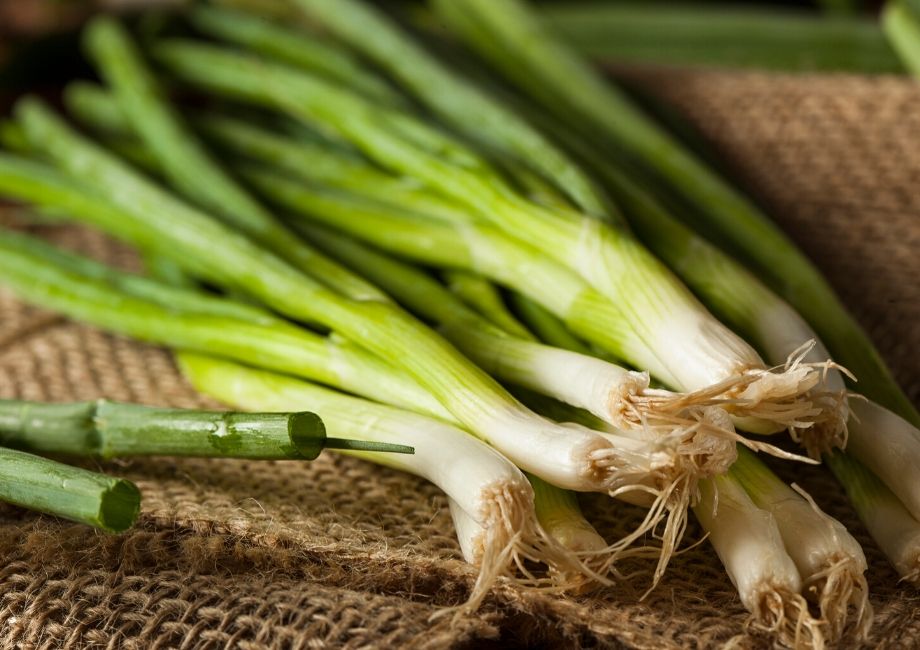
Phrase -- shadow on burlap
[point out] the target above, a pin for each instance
(341, 553)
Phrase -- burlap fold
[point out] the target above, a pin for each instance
(339, 553)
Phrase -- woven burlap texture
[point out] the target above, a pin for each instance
(339, 553)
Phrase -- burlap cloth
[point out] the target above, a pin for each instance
(341, 553)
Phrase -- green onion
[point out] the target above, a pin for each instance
(490, 490)
(721, 36)
(892, 527)
(462, 105)
(190, 167)
(177, 231)
(291, 46)
(110, 504)
(522, 47)
(110, 430)
(888, 445)
(748, 541)
(901, 22)
(828, 558)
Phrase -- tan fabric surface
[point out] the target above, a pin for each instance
(338, 553)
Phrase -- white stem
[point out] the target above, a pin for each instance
(469, 532)
(599, 387)
(888, 445)
(748, 541)
(830, 561)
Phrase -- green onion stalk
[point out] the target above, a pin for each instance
(190, 320)
(153, 219)
(483, 296)
(748, 541)
(369, 31)
(721, 36)
(901, 22)
(656, 312)
(104, 429)
(104, 502)
(271, 38)
(190, 167)
(493, 494)
(524, 49)
(893, 528)
(829, 559)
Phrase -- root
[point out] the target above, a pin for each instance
(785, 614)
(513, 543)
(668, 490)
(793, 396)
(836, 589)
(797, 396)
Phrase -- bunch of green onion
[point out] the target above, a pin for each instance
(343, 210)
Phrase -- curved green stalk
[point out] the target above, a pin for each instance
(901, 23)
(180, 298)
(190, 167)
(291, 46)
(458, 103)
(193, 323)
